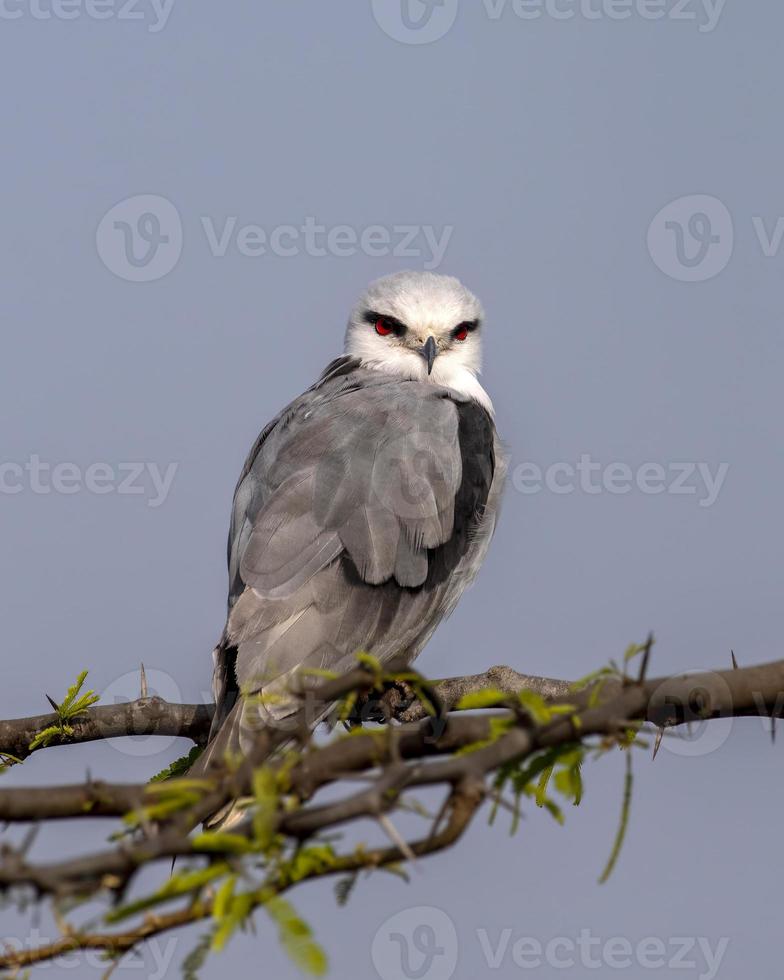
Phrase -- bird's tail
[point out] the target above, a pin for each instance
(224, 746)
(235, 738)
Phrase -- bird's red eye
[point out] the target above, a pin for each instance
(383, 329)
(461, 333)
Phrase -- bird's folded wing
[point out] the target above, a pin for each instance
(371, 472)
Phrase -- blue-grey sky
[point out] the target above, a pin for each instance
(529, 148)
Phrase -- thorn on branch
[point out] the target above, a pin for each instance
(442, 812)
(658, 742)
(646, 656)
(143, 684)
(394, 835)
(500, 800)
(28, 840)
(734, 661)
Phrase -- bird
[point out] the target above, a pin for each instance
(364, 509)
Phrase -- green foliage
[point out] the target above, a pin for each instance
(70, 708)
(536, 706)
(489, 698)
(167, 798)
(540, 711)
(297, 938)
(179, 767)
(422, 695)
(623, 823)
(541, 786)
(546, 778)
(498, 727)
(347, 705)
(265, 806)
(561, 767)
(230, 911)
(411, 804)
(596, 680)
(7, 761)
(372, 664)
(533, 776)
(328, 675)
(611, 671)
(185, 882)
(306, 862)
(397, 870)
(74, 705)
(344, 887)
(634, 650)
(568, 780)
(223, 842)
(43, 739)
(197, 957)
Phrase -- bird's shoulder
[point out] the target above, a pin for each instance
(348, 395)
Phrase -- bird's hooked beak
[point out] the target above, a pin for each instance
(429, 351)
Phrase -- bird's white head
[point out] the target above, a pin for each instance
(420, 326)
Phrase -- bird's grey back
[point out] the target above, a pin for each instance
(363, 511)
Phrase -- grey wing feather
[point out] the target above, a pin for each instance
(372, 471)
(360, 517)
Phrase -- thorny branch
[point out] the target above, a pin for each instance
(145, 716)
(154, 716)
(434, 741)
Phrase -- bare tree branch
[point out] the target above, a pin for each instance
(145, 716)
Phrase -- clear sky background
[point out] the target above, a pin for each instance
(546, 146)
